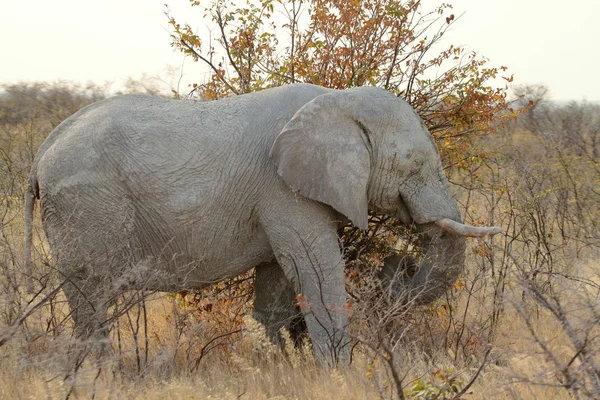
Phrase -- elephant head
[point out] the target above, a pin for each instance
(364, 149)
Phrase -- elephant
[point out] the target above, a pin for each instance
(142, 192)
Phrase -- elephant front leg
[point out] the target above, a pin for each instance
(307, 248)
(275, 302)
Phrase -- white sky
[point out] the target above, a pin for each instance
(541, 41)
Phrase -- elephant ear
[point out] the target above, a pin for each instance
(323, 152)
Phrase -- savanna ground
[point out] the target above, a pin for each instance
(521, 323)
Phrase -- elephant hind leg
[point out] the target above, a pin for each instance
(88, 304)
(275, 303)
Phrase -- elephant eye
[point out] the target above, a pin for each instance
(409, 163)
(418, 162)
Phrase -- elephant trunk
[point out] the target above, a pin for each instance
(443, 246)
(443, 261)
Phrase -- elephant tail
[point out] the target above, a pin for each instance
(31, 194)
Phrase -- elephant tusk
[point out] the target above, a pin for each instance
(467, 230)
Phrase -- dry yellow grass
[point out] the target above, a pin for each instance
(253, 368)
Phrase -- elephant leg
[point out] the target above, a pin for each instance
(305, 242)
(275, 302)
(88, 314)
(319, 282)
(88, 302)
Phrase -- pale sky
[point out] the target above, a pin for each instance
(541, 41)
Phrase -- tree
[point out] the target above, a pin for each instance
(346, 43)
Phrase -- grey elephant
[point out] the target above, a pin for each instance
(140, 192)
